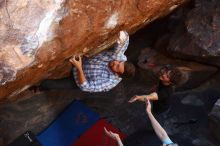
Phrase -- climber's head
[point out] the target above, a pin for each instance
(124, 69)
(169, 75)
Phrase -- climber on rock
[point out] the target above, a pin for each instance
(104, 71)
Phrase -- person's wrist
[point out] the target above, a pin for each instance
(148, 111)
(117, 137)
(79, 68)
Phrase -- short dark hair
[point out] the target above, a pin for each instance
(175, 74)
(129, 69)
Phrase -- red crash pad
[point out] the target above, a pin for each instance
(95, 135)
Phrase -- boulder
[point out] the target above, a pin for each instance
(214, 120)
(192, 100)
(39, 36)
(198, 35)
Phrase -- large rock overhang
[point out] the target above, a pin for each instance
(39, 36)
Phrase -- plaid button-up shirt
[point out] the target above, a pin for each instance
(99, 77)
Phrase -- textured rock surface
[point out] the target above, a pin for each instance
(198, 36)
(39, 36)
(214, 118)
(192, 100)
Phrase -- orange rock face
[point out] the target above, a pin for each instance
(38, 37)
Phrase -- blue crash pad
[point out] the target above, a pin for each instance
(66, 129)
